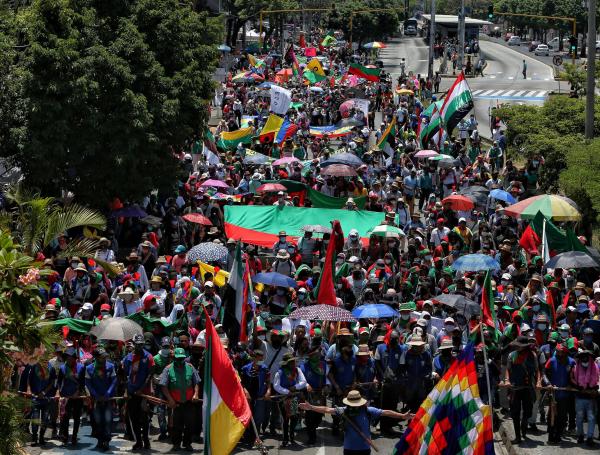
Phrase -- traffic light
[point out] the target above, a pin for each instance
(490, 13)
(573, 46)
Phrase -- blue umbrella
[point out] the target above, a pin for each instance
(275, 279)
(267, 84)
(502, 195)
(375, 310)
(133, 211)
(256, 158)
(224, 48)
(349, 159)
(475, 263)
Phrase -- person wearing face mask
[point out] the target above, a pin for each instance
(101, 383)
(406, 320)
(341, 374)
(210, 297)
(522, 374)
(161, 361)
(276, 348)
(315, 373)
(364, 374)
(443, 359)
(180, 382)
(565, 332)
(283, 264)
(588, 342)
(281, 244)
(584, 377)
(127, 303)
(353, 245)
(307, 247)
(541, 328)
(387, 364)
(288, 380)
(556, 373)
(416, 367)
(256, 381)
(137, 367)
(159, 293)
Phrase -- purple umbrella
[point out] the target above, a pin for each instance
(215, 184)
(133, 211)
(285, 160)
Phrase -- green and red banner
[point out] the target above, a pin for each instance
(369, 74)
(260, 225)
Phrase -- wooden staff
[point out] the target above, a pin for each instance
(359, 431)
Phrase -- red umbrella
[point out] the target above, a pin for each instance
(197, 218)
(271, 188)
(459, 202)
(339, 170)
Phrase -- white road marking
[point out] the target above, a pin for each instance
(530, 94)
(541, 93)
(486, 93)
(509, 93)
(520, 93)
(497, 93)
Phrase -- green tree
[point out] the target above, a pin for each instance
(112, 87)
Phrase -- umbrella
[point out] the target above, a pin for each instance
(461, 303)
(375, 310)
(478, 194)
(152, 220)
(248, 76)
(475, 263)
(502, 195)
(426, 154)
(350, 121)
(571, 260)
(345, 108)
(275, 279)
(316, 228)
(459, 202)
(197, 218)
(322, 312)
(404, 91)
(215, 183)
(224, 48)
(133, 211)
(349, 159)
(316, 89)
(256, 158)
(271, 188)
(339, 170)
(118, 329)
(388, 231)
(207, 252)
(267, 85)
(374, 45)
(558, 208)
(286, 160)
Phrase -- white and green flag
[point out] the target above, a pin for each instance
(457, 103)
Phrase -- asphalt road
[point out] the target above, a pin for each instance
(326, 444)
(502, 82)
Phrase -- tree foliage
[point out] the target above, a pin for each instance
(110, 87)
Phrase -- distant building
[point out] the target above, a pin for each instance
(446, 26)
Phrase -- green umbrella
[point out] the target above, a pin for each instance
(385, 230)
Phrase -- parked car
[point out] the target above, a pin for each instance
(533, 45)
(514, 41)
(542, 49)
(554, 43)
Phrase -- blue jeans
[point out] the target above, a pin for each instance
(259, 411)
(585, 406)
(103, 420)
(39, 417)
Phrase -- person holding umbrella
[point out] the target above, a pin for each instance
(357, 417)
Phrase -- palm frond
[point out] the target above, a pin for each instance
(62, 219)
(82, 247)
(34, 218)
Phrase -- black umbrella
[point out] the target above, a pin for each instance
(478, 194)
(460, 303)
(571, 260)
(133, 211)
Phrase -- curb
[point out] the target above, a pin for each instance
(504, 436)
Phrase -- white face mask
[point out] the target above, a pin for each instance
(262, 337)
(165, 352)
(260, 363)
(585, 364)
(448, 328)
(542, 327)
(536, 308)
(405, 317)
(564, 334)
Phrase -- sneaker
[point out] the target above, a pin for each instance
(162, 437)
(580, 439)
(137, 446)
(175, 448)
(147, 445)
(188, 448)
(590, 442)
(533, 427)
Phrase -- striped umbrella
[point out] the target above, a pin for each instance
(375, 45)
(553, 206)
(322, 312)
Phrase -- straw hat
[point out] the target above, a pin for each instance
(80, 268)
(283, 255)
(354, 399)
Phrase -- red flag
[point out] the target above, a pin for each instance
(326, 286)
(65, 331)
(552, 305)
(530, 241)
(302, 42)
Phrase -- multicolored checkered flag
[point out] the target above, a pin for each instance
(452, 420)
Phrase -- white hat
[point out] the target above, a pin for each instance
(506, 276)
(449, 321)
(596, 290)
(209, 284)
(281, 193)
(462, 219)
(353, 232)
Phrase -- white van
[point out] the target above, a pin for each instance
(555, 42)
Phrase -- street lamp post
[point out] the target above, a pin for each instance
(590, 94)
(461, 35)
(431, 40)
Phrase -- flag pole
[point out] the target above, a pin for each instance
(487, 375)
(544, 241)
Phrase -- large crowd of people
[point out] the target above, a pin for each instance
(542, 359)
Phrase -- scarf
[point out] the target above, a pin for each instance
(290, 373)
(586, 377)
(41, 372)
(316, 365)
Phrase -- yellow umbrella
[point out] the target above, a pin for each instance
(552, 206)
(404, 91)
